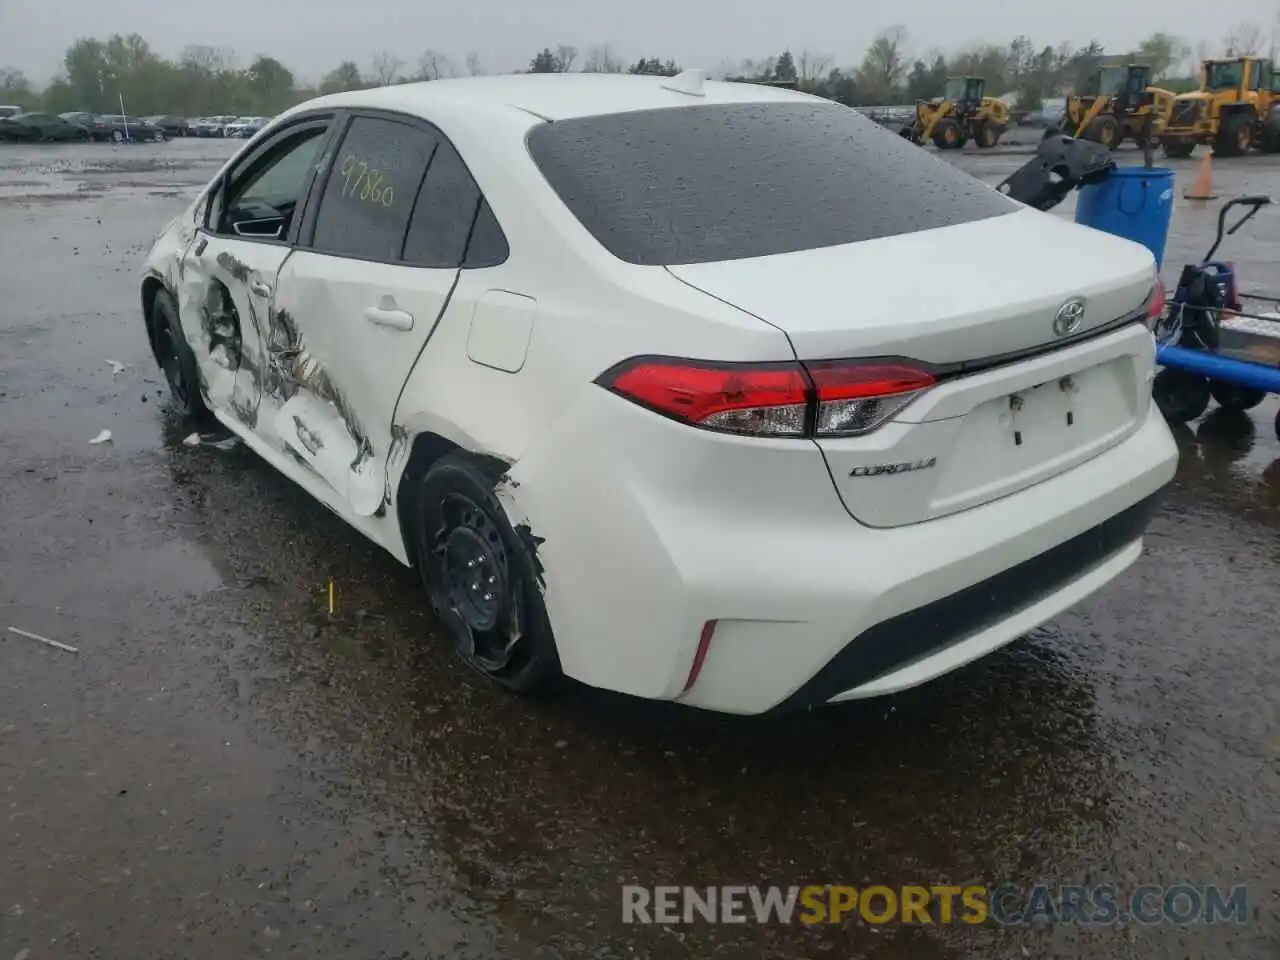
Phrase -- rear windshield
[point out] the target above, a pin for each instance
(727, 181)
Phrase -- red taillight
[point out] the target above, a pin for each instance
(767, 399)
(856, 398)
(821, 398)
(1155, 306)
(700, 655)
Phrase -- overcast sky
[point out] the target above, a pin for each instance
(310, 36)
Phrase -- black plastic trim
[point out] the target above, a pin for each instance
(908, 637)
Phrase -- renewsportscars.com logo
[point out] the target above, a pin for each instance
(937, 904)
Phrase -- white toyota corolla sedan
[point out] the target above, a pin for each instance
(698, 391)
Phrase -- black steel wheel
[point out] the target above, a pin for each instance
(1232, 396)
(947, 134)
(1235, 135)
(1180, 396)
(175, 357)
(482, 575)
(1104, 130)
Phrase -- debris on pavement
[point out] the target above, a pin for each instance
(224, 443)
(103, 437)
(117, 367)
(45, 640)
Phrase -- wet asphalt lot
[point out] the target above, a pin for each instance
(223, 770)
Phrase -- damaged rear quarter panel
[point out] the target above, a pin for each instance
(567, 491)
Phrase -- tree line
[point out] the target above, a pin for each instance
(98, 75)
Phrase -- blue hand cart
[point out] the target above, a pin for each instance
(1209, 346)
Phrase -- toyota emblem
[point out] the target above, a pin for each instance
(1070, 316)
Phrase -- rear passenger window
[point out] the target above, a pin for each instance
(445, 211)
(488, 246)
(370, 193)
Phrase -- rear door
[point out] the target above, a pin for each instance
(376, 269)
(228, 273)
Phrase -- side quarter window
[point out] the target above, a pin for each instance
(369, 196)
(261, 201)
(451, 211)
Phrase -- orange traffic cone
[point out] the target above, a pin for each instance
(1202, 188)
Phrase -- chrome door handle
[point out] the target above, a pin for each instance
(396, 319)
(260, 289)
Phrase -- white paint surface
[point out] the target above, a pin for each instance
(501, 327)
(650, 527)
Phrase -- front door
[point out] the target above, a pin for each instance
(229, 272)
(364, 292)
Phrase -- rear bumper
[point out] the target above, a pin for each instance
(667, 528)
(913, 647)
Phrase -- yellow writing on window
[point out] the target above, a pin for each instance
(363, 182)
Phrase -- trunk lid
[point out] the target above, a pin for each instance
(1018, 402)
(949, 295)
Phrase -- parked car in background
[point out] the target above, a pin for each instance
(1050, 114)
(171, 125)
(211, 126)
(40, 128)
(81, 117)
(121, 128)
(9, 110)
(245, 127)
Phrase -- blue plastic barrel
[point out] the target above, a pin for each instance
(1133, 202)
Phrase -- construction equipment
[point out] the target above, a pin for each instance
(961, 114)
(1118, 103)
(1236, 107)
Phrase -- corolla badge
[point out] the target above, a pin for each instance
(1070, 316)
(880, 469)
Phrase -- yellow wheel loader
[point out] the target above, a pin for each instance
(961, 114)
(1237, 107)
(1118, 103)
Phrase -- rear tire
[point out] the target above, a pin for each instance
(1232, 396)
(1180, 396)
(1271, 132)
(482, 576)
(988, 134)
(947, 135)
(1104, 130)
(1235, 135)
(175, 357)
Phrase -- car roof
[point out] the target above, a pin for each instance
(549, 96)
